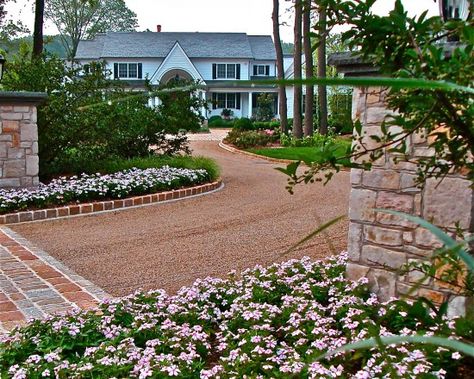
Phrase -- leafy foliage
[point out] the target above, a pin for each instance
(265, 107)
(89, 117)
(244, 139)
(404, 47)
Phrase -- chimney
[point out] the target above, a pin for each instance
(158, 28)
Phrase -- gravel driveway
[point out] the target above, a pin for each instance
(251, 221)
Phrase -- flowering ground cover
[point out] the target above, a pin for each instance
(85, 187)
(267, 322)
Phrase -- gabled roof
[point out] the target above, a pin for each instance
(158, 45)
(262, 47)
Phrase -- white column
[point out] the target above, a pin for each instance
(250, 105)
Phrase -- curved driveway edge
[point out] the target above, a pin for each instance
(232, 149)
(109, 206)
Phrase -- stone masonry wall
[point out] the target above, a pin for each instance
(19, 162)
(379, 243)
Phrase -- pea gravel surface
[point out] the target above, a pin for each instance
(253, 220)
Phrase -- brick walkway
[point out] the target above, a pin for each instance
(33, 284)
(213, 135)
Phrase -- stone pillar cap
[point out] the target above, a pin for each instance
(9, 97)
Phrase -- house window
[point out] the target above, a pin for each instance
(128, 70)
(261, 70)
(226, 100)
(231, 100)
(222, 100)
(133, 70)
(221, 71)
(123, 70)
(226, 71)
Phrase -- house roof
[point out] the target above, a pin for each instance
(158, 45)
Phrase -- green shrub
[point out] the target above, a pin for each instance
(219, 122)
(271, 125)
(316, 140)
(247, 139)
(214, 118)
(243, 124)
(340, 109)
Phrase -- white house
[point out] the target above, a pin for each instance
(218, 60)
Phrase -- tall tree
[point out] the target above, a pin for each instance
(309, 69)
(282, 105)
(79, 19)
(298, 93)
(38, 31)
(322, 92)
(9, 28)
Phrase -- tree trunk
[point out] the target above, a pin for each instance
(322, 92)
(297, 124)
(38, 32)
(308, 55)
(282, 106)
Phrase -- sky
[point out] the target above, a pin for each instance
(248, 16)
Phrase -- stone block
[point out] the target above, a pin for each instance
(14, 169)
(354, 242)
(26, 181)
(356, 176)
(379, 256)
(362, 204)
(32, 165)
(10, 126)
(3, 150)
(375, 115)
(415, 276)
(11, 116)
(408, 183)
(383, 236)
(374, 96)
(424, 237)
(448, 202)
(419, 252)
(9, 182)
(457, 307)
(395, 201)
(355, 271)
(383, 283)
(34, 115)
(408, 237)
(423, 152)
(381, 179)
(406, 289)
(34, 148)
(15, 153)
(435, 296)
(21, 108)
(29, 132)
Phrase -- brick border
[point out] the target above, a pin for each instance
(34, 284)
(107, 206)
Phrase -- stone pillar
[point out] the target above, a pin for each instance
(379, 244)
(19, 162)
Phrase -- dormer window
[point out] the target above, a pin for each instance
(128, 71)
(261, 70)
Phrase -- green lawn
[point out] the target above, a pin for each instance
(306, 154)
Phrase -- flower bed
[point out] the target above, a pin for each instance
(99, 187)
(269, 322)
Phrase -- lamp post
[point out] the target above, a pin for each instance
(455, 9)
(2, 62)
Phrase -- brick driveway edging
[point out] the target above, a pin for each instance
(34, 285)
(107, 206)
